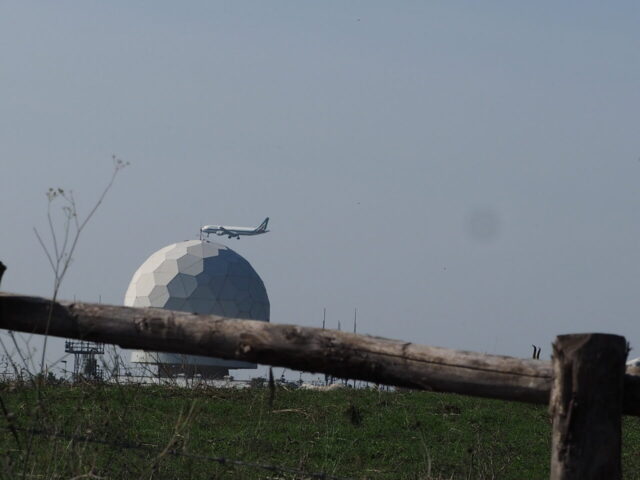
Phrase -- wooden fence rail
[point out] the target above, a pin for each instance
(578, 375)
(340, 354)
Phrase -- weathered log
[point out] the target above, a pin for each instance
(586, 406)
(336, 353)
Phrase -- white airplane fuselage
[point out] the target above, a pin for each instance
(235, 232)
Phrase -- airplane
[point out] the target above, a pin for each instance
(235, 232)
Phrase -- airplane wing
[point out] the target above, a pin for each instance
(230, 233)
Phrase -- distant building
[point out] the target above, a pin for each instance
(198, 277)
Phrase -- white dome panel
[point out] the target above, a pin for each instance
(178, 250)
(199, 277)
(169, 266)
(144, 285)
(162, 278)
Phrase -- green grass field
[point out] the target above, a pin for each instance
(161, 432)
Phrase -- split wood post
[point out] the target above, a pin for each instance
(586, 406)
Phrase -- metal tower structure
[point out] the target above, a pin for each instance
(85, 364)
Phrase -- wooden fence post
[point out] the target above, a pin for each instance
(586, 406)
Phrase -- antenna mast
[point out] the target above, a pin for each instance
(355, 319)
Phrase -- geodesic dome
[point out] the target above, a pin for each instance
(198, 277)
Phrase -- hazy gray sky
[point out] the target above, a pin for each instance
(466, 174)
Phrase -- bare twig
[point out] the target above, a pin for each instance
(182, 422)
(19, 351)
(272, 389)
(51, 229)
(293, 410)
(9, 418)
(176, 453)
(60, 256)
(46, 250)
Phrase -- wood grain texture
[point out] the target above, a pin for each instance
(340, 354)
(586, 406)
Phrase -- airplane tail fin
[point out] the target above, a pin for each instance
(263, 225)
